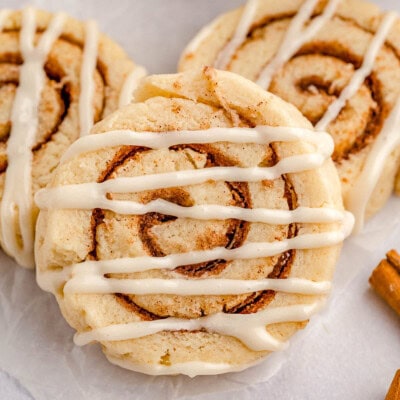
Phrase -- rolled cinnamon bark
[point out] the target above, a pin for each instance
(394, 390)
(385, 279)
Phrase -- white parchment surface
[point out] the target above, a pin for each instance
(350, 351)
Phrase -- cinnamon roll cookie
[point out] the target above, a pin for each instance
(339, 63)
(196, 229)
(57, 77)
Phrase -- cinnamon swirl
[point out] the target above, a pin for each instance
(57, 77)
(338, 62)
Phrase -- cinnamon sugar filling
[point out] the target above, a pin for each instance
(377, 115)
(57, 85)
(235, 236)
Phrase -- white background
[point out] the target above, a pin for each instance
(350, 352)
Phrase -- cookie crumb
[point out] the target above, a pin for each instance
(165, 359)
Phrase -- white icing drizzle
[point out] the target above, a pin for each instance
(383, 146)
(89, 60)
(296, 36)
(92, 194)
(89, 276)
(249, 328)
(94, 190)
(361, 74)
(388, 138)
(201, 212)
(239, 35)
(259, 135)
(190, 369)
(93, 282)
(17, 202)
(131, 82)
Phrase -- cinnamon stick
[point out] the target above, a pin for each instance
(385, 279)
(394, 390)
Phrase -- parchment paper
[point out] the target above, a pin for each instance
(350, 351)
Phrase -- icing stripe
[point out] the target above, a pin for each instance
(258, 135)
(181, 178)
(239, 35)
(290, 43)
(17, 202)
(131, 82)
(202, 212)
(245, 252)
(89, 60)
(296, 36)
(95, 283)
(361, 74)
(385, 143)
(254, 334)
(49, 37)
(388, 139)
(190, 369)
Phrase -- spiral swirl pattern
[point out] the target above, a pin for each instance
(188, 102)
(317, 72)
(58, 113)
